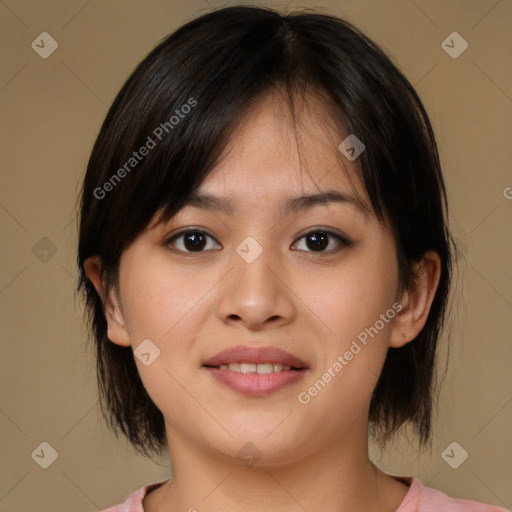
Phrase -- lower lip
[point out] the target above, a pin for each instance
(256, 384)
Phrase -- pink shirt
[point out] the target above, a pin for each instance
(418, 499)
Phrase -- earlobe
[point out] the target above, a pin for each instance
(116, 332)
(416, 301)
(116, 329)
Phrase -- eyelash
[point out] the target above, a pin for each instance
(343, 241)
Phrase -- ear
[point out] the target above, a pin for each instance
(117, 332)
(417, 300)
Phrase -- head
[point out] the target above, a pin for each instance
(253, 106)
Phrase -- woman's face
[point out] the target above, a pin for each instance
(255, 279)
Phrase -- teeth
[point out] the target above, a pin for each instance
(247, 368)
(265, 368)
(255, 368)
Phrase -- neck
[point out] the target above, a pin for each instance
(339, 477)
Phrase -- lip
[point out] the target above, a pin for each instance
(255, 355)
(256, 384)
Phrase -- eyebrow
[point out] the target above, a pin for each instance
(291, 205)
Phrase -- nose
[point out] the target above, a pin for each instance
(256, 293)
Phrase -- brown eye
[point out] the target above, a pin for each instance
(191, 240)
(318, 240)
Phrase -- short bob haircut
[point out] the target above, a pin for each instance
(184, 101)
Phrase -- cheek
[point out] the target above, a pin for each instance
(351, 297)
(162, 305)
(352, 301)
(157, 298)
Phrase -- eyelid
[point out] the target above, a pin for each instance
(324, 229)
(342, 239)
(187, 229)
(182, 231)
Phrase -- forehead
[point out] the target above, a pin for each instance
(289, 158)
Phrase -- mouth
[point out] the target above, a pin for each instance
(249, 359)
(256, 368)
(255, 371)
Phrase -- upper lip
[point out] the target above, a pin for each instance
(254, 355)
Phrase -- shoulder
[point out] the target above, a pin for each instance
(134, 501)
(426, 499)
(432, 500)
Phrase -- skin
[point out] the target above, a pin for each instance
(306, 302)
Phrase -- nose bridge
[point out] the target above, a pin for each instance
(253, 262)
(254, 292)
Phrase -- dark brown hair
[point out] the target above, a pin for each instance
(217, 65)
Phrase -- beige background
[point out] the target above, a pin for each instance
(52, 110)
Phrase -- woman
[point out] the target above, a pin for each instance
(256, 320)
